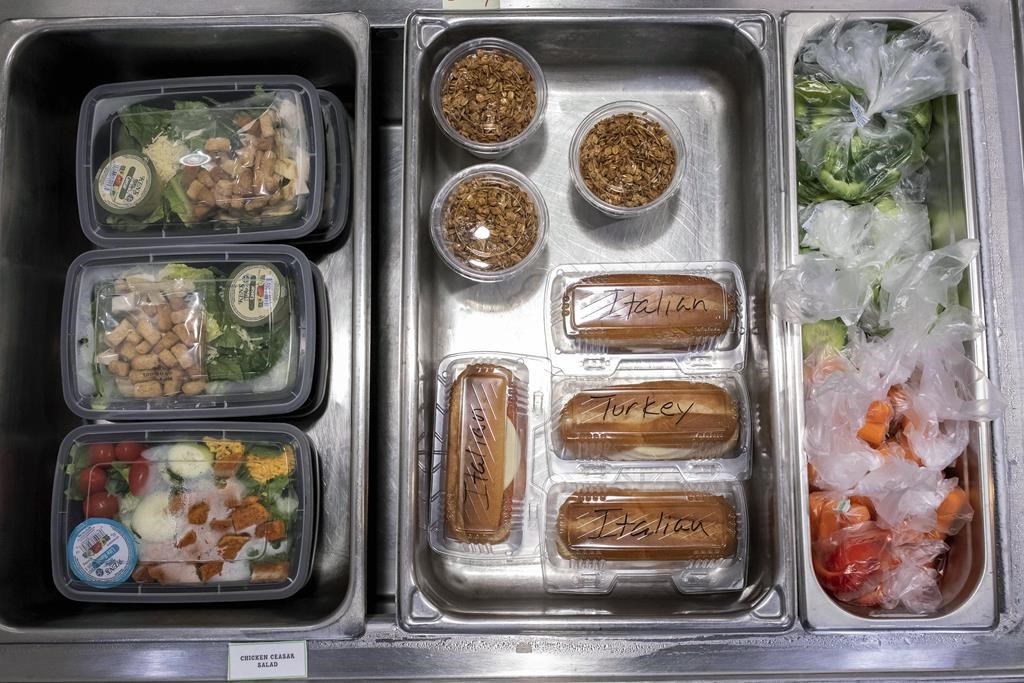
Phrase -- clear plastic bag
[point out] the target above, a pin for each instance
(844, 160)
(893, 71)
(855, 245)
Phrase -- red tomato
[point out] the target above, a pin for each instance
(100, 453)
(101, 504)
(853, 562)
(92, 479)
(138, 475)
(129, 451)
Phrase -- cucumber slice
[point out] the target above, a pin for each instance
(151, 520)
(190, 460)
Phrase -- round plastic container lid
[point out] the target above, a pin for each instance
(488, 222)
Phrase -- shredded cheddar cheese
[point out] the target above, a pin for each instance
(264, 469)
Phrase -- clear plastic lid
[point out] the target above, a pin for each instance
(488, 222)
(627, 158)
(693, 314)
(193, 512)
(597, 536)
(178, 334)
(488, 95)
(650, 419)
(337, 171)
(200, 160)
(487, 432)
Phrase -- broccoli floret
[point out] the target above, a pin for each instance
(824, 333)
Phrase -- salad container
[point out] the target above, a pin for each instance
(224, 159)
(183, 512)
(188, 333)
(337, 170)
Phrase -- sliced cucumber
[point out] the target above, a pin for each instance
(190, 460)
(151, 520)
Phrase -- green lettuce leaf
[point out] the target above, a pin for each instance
(144, 123)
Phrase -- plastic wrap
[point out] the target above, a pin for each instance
(892, 71)
(484, 443)
(843, 160)
(691, 314)
(856, 249)
(650, 420)
(632, 531)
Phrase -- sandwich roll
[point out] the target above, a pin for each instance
(647, 311)
(485, 465)
(657, 420)
(629, 525)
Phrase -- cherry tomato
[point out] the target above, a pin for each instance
(92, 479)
(138, 475)
(101, 453)
(101, 504)
(128, 451)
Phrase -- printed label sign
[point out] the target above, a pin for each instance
(268, 660)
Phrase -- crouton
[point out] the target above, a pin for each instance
(194, 189)
(188, 175)
(147, 389)
(266, 124)
(133, 337)
(217, 145)
(137, 376)
(119, 333)
(119, 368)
(177, 301)
(163, 318)
(230, 545)
(166, 342)
(182, 355)
(145, 362)
(128, 351)
(207, 180)
(148, 331)
(221, 524)
(269, 572)
(181, 316)
(196, 386)
(172, 387)
(252, 514)
(208, 570)
(188, 539)
(124, 386)
(167, 358)
(272, 531)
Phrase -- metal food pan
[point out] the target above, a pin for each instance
(42, 238)
(716, 75)
(969, 578)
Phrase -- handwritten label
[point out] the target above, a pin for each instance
(615, 523)
(647, 525)
(268, 660)
(470, 4)
(626, 304)
(649, 408)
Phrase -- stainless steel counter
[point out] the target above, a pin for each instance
(384, 650)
